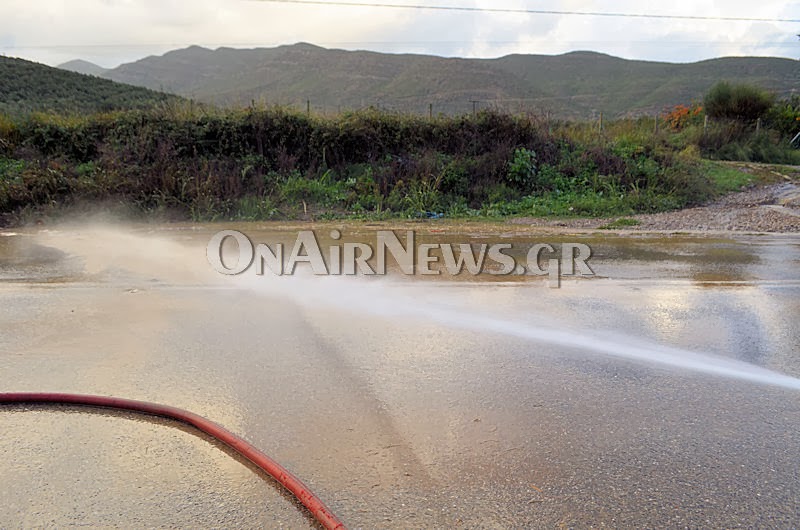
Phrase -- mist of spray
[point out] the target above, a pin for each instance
(150, 256)
(386, 298)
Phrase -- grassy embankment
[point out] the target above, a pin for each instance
(183, 162)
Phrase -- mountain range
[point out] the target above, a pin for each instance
(573, 85)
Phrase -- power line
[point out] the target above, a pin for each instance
(275, 44)
(762, 44)
(528, 11)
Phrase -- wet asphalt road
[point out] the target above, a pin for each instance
(393, 417)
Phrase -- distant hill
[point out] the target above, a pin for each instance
(623, 87)
(83, 67)
(576, 85)
(26, 86)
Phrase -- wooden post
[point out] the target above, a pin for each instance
(430, 110)
(474, 106)
(705, 124)
(601, 120)
(308, 106)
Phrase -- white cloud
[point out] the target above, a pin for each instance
(113, 31)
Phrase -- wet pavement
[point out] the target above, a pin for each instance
(403, 401)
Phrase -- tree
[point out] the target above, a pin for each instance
(737, 101)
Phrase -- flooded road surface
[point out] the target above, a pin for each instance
(621, 400)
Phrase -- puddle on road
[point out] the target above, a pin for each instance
(38, 257)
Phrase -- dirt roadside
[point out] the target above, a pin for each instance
(769, 207)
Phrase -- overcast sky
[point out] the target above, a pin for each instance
(110, 32)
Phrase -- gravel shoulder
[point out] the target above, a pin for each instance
(773, 207)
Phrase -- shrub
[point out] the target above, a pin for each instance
(784, 116)
(522, 169)
(737, 102)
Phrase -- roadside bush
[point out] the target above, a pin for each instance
(522, 169)
(784, 117)
(265, 163)
(737, 102)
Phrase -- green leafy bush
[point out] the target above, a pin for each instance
(784, 116)
(737, 102)
(522, 169)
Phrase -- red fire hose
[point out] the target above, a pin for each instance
(317, 508)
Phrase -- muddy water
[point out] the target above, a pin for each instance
(394, 414)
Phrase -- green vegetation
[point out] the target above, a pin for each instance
(31, 87)
(184, 161)
(726, 178)
(276, 164)
(747, 125)
(740, 102)
(784, 116)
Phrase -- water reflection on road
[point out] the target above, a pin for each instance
(394, 418)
